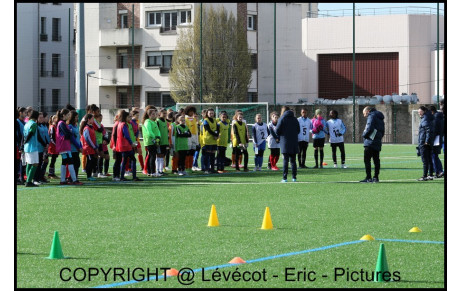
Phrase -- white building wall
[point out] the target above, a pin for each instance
(373, 34)
(27, 54)
(30, 49)
(288, 52)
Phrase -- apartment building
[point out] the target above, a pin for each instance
(45, 55)
(109, 49)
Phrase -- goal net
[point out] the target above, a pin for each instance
(250, 110)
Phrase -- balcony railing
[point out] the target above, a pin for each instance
(56, 38)
(164, 70)
(377, 11)
(168, 29)
(57, 73)
(43, 37)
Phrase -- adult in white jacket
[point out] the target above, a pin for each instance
(336, 129)
(303, 137)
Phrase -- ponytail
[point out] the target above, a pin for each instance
(84, 122)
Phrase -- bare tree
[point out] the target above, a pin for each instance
(226, 60)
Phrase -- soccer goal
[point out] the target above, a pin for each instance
(250, 110)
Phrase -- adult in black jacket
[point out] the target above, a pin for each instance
(438, 138)
(372, 136)
(425, 141)
(288, 130)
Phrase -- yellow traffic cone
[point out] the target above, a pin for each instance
(367, 237)
(267, 222)
(213, 221)
(415, 229)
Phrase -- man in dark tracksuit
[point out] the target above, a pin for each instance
(372, 135)
(425, 141)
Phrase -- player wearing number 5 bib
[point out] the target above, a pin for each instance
(336, 129)
(260, 133)
(303, 137)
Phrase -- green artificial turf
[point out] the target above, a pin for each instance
(162, 222)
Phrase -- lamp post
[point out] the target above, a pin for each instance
(87, 75)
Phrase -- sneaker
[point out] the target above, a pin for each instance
(83, 170)
(429, 178)
(440, 175)
(366, 181)
(137, 179)
(30, 184)
(344, 166)
(128, 174)
(52, 176)
(77, 183)
(233, 166)
(259, 169)
(92, 179)
(375, 180)
(116, 179)
(19, 182)
(94, 175)
(220, 172)
(294, 180)
(37, 183)
(63, 183)
(123, 179)
(107, 175)
(166, 168)
(269, 167)
(422, 179)
(145, 172)
(100, 175)
(181, 173)
(206, 172)
(283, 181)
(241, 165)
(275, 168)
(335, 166)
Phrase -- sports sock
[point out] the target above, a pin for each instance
(72, 173)
(141, 161)
(62, 173)
(106, 166)
(321, 156)
(31, 174)
(240, 159)
(316, 157)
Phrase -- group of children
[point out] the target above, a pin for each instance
(40, 139)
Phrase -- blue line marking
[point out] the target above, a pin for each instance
(411, 241)
(233, 265)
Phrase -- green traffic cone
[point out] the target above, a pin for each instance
(56, 249)
(382, 265)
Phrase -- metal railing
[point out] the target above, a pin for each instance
(378, 11)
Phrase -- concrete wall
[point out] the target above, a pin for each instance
(413, 42)
(398, 120)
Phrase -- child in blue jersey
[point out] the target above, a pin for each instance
(73, 125)
(43, 141)
(319, 136)
(31, 148)
(336, 129)
(259, 133)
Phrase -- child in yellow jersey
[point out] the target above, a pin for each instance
(222, 141)
(193, 144)
(200, 139)
(210, 136)
(240, 141)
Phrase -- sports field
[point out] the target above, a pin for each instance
(110, 227)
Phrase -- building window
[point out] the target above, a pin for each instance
(160, 59)
(124, 20)
(56, 34)
(254, 61)
(252, 22)
(185, 17)
(43, 35)
(122, 99)
(122, 56)
(56, 65)
(170, 21)
(42, 97)
(252, 97)
(55, 96)
(43, 65)
(159, 99)
(153, 19)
